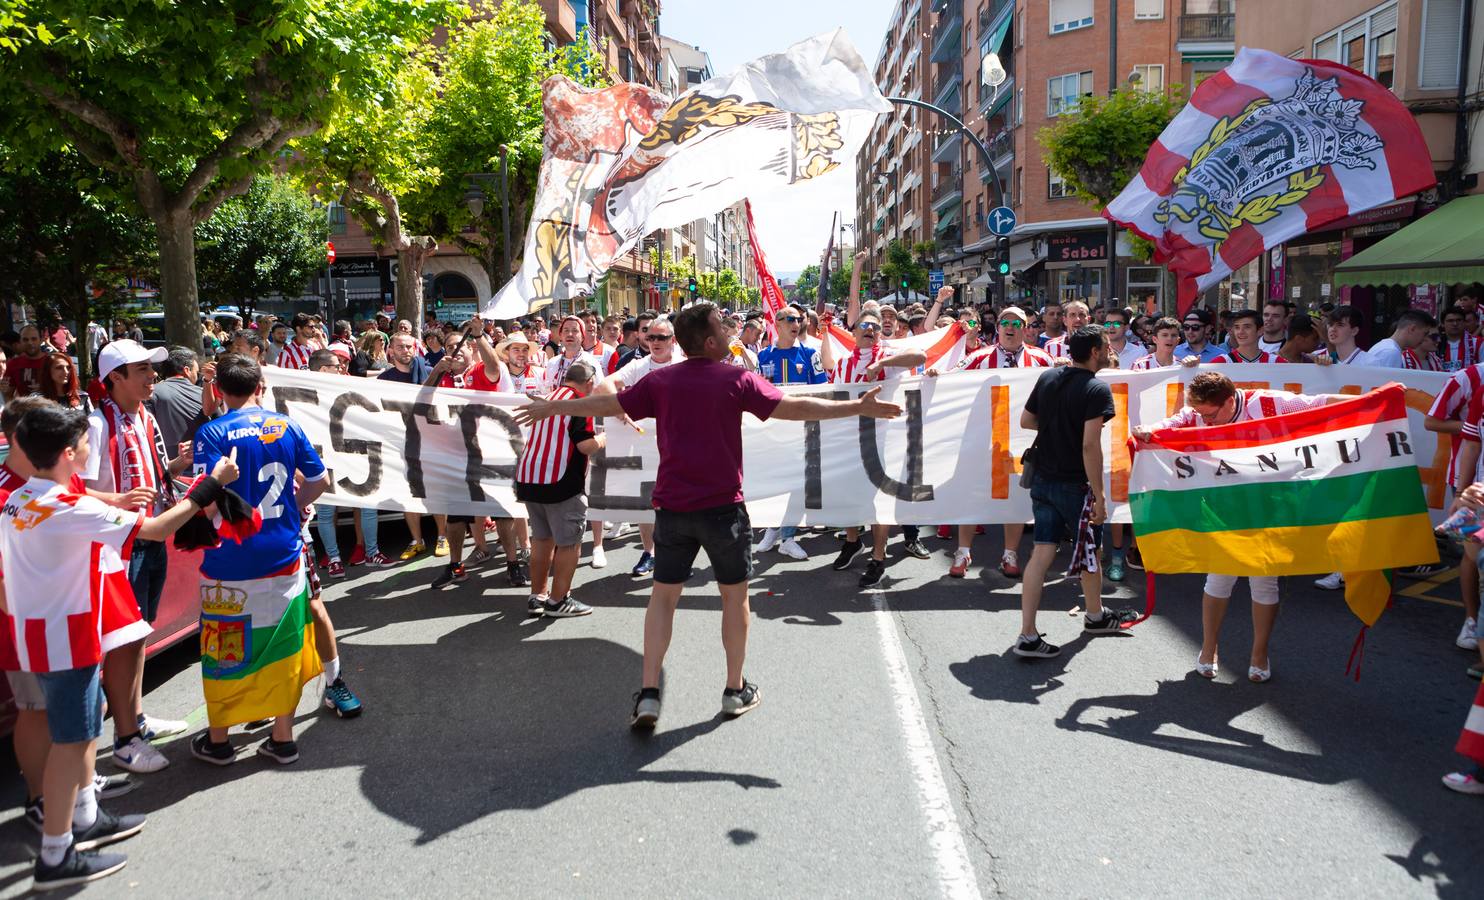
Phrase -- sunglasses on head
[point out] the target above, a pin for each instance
(790, 319)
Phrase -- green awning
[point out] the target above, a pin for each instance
(997, 37)
(1443, 247)
(947, 220)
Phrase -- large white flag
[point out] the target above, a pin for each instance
(621, 162)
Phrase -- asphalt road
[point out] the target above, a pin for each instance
(900, 751)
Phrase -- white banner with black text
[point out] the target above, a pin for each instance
(952, 457)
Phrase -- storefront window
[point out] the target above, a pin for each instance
(1078, 283)
(1310, 274)
(1145, 290)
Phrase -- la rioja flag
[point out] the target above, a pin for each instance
(1267, 149)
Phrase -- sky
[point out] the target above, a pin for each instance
(792, 229)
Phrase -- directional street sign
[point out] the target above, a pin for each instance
(935, 281)
(1001, 221)
(662, 285)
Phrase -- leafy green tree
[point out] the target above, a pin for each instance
(806, 288)
(188, 105)
(492, 72)
(270, 240)
(1099, 147)
(752, 297)
(902, 264)
(840, 282)
(67, 242)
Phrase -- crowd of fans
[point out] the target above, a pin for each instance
(146, 408)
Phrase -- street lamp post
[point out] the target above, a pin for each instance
(1112, 234)
(993, 75)
(474, 197)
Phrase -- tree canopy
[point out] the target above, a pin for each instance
(270, 240)
(1099, 147)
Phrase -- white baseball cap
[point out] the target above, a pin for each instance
(123, 353)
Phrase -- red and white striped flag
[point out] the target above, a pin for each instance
(772, 294)
(1267, 149)
(1471, 741)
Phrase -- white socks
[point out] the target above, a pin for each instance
(332, 670)
(54, 847)
(85, 810)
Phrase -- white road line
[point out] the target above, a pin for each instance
(955, 872)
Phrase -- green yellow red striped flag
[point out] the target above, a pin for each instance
(257, 647)
(1330, 489)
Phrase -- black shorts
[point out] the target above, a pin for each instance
(460, 520)
(724, 532)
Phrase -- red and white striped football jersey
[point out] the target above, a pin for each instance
(1056, 348)
(997, 357)
(1145, 363)
(1467, 351)
(1258, 404)
(295, 355)
(548, 447)
(1235, 356)
(76, 547)
(528, 382)
(852, 369)
(1456, 401)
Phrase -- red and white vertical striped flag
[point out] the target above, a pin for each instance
(1267, 149)
(772, 294)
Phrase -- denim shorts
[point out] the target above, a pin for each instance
(1057, 508)
(74, 704)
(724, 532)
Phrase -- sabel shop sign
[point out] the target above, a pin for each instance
(1076, 247)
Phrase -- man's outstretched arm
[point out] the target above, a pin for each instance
(812, 409)
(589, 406)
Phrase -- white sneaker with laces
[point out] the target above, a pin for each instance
(1334, 581)
(769, 541)
(791, 549)
(600, 559)
(1467, 637)
(618, 530)
(137, 756)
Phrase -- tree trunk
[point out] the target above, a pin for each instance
(410, 279)
(176, 232)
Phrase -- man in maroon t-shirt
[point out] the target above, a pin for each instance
(697, 406)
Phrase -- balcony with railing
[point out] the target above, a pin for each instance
(948, 190)
(947, 32)
(1214, 28)
(990, 13)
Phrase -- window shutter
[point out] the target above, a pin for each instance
(1149, 9)
(1442, 28)
(1383, 22)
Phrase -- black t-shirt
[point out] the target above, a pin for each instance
(1063, 401)
(417, 375)
(573, 481)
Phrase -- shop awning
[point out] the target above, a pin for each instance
(982, 280)
(1443, 247)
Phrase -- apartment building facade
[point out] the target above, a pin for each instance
(1052, 53)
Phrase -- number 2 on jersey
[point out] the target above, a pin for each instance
(277, 476)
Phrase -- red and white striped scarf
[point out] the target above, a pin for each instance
(135, 465)
(852, 370)
(548, 448)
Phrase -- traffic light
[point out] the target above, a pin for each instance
(904, 282)
(1002, 256)
(690, 287)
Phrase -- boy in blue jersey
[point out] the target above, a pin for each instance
(788, 362)
(258, 647)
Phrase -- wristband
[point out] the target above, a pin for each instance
(204, 491)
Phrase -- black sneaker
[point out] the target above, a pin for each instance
(849, 550)
(76, 867)
(1427, 570)
(875, 570)
(517, 574)
(918, 549)
(281, 752)
(1135, 559)
(1035, 647)
(646, 709)
(223, 754)
(1112, 621)
(536, 606)
(451, 575)
(106, 829)
(255, 724)
(35, 814)
(736, 702)
(109, 786)
(566, 608)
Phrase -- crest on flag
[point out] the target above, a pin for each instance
(1268, 149)
(623, 161)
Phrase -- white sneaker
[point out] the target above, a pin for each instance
(1334, 581)
(162, 728)
(1467, 638)
(791, 549)
(618, 530)
(600, 559)
(137, 756)
(769, 541)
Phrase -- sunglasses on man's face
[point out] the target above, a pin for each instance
(1112, 326)
(1011, 323)
(660, 337)
(789, 319)
(1193, 326)
(868, 328)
